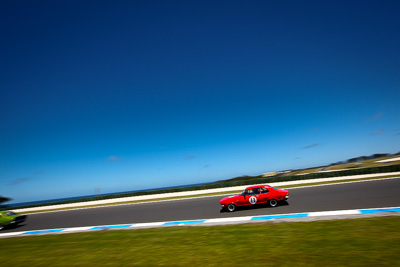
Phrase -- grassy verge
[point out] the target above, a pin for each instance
(339, 181)
(354, 242)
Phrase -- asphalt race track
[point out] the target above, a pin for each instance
(359, 195)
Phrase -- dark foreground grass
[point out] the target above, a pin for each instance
(354, 242)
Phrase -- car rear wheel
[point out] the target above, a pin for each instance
(272, 202)
(231, 207)
(1, 227)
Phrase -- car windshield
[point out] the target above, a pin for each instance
(10, 213)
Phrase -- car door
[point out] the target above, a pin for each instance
(249, 197)
(264, 195)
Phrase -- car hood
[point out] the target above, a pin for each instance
(285, 191)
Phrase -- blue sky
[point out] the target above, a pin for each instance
(129, 95)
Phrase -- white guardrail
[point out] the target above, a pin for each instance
(197, 192)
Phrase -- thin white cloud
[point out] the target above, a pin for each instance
(316, 129)
(311, 146)
(19, 180)
(114, 158)
(379, 131)
(376, 117)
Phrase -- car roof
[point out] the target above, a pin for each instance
(257, 186)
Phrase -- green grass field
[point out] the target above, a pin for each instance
(353, 242)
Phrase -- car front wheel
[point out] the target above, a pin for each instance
(231, 207)
(272, 202)
(1, 227)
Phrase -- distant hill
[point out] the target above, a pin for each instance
(375, 160)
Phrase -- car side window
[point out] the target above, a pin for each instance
(263, 190)
(253, 191)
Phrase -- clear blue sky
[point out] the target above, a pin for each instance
(129, 95)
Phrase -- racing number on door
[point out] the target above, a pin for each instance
(253, 200)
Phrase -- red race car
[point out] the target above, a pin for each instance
(256, 194)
